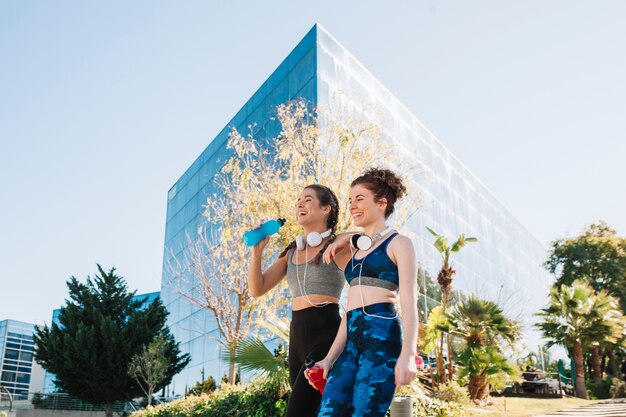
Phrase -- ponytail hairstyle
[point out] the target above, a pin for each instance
(326, 197)
(384, 183)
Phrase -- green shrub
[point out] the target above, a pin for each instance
(452, 391)
(262, 398)
(618, 389)
(432, 407)
(424, 405)
(599, 390)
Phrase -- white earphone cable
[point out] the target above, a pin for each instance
(360, 266)
(303, 290)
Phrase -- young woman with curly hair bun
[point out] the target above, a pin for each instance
(374, 350)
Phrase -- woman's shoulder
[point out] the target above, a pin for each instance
(286, 258)
(401, 248)
(400, 241)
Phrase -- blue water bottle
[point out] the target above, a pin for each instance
(252, 237)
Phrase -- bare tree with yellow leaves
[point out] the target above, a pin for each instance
(260, 181)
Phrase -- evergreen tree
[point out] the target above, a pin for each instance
(101, 328)
(207, 386)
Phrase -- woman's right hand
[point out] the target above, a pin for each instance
(326, 365)
(258, 248)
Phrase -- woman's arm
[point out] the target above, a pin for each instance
(339, 250)
(260, 282)
(337, 347)
(404, 255)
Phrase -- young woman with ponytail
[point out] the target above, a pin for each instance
(315, 287)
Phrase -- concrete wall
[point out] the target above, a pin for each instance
(37, 376)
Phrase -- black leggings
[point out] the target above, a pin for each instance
(311, 334)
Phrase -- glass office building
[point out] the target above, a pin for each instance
(504, 266)
(19, 373)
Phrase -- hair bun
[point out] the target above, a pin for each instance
(388, 177)
(384, 183)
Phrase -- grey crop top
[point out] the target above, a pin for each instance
(320, 279)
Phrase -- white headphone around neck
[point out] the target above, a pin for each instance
(364, 242)
(313, 239)
(361, 241)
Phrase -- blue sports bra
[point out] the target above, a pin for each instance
(376, 269)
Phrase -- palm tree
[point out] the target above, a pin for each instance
(444, 279)
(251, 354)
(607, 331)
(577, 314)
(485, 330)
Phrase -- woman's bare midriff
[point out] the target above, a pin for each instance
(300, 303)
(371, 295)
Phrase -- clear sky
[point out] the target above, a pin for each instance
(103, 105)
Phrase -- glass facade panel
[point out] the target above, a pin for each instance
(11, 354)
(16, 356)
(504, 266)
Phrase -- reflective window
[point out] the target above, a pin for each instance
(11, 354)
(8, 376)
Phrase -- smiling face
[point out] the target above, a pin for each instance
(309, 211)
(363, 207)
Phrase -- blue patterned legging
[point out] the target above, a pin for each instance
(362, 380)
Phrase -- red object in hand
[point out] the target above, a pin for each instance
(419, 361)
(315, 376)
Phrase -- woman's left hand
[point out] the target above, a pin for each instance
(405, 370)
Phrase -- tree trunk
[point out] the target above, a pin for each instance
(581, 389)
(231, 373)
(441, 368)
(108, 409)
(432, 377)
(150, 392)
(232, 350)
(613, 364)
(450, 365)
(477, 387)
(444, 279)
(596, 371)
